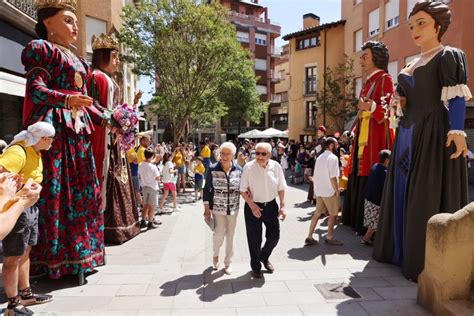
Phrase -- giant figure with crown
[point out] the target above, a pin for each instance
(71, 221)
(113, 171)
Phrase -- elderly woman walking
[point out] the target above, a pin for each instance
(221, 201)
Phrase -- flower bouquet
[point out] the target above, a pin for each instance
(124, 121)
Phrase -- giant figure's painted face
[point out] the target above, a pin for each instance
(62, 27)
(422, 28)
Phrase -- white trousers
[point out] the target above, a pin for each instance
(225, 227)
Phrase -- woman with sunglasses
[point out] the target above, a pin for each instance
(262, 181)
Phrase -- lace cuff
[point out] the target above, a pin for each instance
(460, 90)
(457, 132)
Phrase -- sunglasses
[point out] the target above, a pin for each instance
(259, 153)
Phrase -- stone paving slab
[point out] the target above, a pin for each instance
(167, 271)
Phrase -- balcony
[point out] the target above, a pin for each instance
(274, 76)
(271, 27)
(275, 98)
(25, 6)
(275, 52)
(310, 86)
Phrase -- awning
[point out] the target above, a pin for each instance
(273, 132)
(255, 133)
(11, 84)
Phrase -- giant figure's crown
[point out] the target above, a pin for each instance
(60, 4)
(105, 41)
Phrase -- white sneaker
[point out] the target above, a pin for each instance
(228, 270)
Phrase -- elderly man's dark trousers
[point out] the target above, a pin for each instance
(254, 233)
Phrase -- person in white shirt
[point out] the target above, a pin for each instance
(262, 181)
(149, 179)
(168, 181)
(326, 190)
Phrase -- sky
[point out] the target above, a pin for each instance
(287, 13)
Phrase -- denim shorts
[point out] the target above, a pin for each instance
(181, 170)
(23, 235)
(136, 183)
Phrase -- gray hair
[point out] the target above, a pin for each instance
(3, 145)
(265, 146)
(228, 145)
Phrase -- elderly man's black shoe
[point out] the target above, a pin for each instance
(256, 274)
(268, 266)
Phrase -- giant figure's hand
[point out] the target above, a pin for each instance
(461, 145)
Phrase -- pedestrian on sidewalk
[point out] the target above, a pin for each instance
(373, 196)
(221, 201)
(179, 160)
(199, 171)
(149, 178)
(326, 190)
(23, 157)
(262, 181)
(168, 182)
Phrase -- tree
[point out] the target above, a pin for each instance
(191, 51)
(339, 98)
(241, 97)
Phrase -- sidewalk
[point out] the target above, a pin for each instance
(167, 271)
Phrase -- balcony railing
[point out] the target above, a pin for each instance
(275, 98)
(310, 86)
(25, 6)
(274, 76)
(248, 17)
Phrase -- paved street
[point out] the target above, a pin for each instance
(167, 271)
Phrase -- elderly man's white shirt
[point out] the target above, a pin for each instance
(263, 183)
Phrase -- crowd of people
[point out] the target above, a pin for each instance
(69, 184)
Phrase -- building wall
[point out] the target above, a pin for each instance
(298, 61)
(253, 19)
(398, 39)
(108, 11)
(279, 110)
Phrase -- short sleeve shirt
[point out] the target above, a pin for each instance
(28, 164)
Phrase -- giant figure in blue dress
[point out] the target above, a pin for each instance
(428, 173)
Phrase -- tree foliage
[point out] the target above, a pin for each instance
(191, 51)
(339, 98)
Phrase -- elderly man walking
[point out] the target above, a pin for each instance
(262, 181)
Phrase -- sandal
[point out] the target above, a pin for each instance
(366, 242)
(310, 242)
(15, 307)
(27, 297)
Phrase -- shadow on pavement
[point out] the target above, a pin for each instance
(208, 286)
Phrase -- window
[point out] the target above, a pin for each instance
(358, 40)
(281, 74)
(93, 27)
(307, 43)
(243, 37)
(261, 39)
(374, 23)
(260, 64)
(261, 89)
(357, 87)
(410, 5)
(392, 14)
(311, 111)
(393, 70)
(310, 80)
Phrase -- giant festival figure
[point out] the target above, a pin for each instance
(428, 172)
(71, 222)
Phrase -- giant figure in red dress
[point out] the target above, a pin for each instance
(372, 132)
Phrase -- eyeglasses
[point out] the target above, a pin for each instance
(260, 153)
